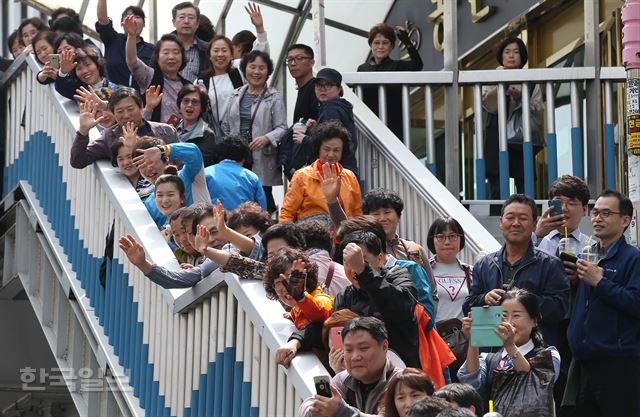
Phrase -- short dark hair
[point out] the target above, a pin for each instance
(365, 222)
(570, 186)
(88, 53)
(184, 5)
(462, 394)
(250, 214)
(115, 148)
(176, 215)
(168, 37)
(279, 263)
(366, 238)
(524, 56)
(36, 22)
(12, 38)
(330, 130)
(375, 327)
(316, 235)
(171, 179)
(66, 11)
(625, 205)
(205, 30)
(382, 198)
(252, 56)
(412, 378)
(530, 303)
(122, 93)
(190, 88)
(441, 224)
(245, 39)
(203, 211)
(48, 36)
(72, 39)
(135, 11)
(67, 24)
(383, 29)
(189, 213)
(456, 412)
(307, 49)
(233, 147)
(522, 199)
(287, 231)
(428, 407)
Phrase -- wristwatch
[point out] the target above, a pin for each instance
(516, 355)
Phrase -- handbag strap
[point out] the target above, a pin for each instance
(332, 268)
(255, 111)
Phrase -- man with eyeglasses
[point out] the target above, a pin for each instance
(573, 193)
(520, 264)
(300, 62)
(604, 333)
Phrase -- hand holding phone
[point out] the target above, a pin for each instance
(335, 335)
(297, 283)
(557, 207)
(484, 322)
(54, 61)
(322, 385)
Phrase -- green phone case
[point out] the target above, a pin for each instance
(483, 324)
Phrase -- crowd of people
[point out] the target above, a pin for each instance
(192, 123)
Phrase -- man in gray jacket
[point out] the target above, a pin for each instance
(357, 390)
(126, 106)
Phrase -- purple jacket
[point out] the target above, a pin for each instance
(84, 153)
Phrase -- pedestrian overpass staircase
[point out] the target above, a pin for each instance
(205, 351)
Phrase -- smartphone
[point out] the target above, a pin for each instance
(335, 335)
(297, 282)
(484, 321)
(565, 256)
(322, 385)
(54, 60)
(557, 207)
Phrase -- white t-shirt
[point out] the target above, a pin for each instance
(452, 290)
(222, 85)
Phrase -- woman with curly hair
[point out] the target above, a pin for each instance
(291, 278)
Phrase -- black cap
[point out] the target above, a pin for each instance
(329, 75)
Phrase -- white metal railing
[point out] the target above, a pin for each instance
(385, 162)
(180, 362)
(547, 78)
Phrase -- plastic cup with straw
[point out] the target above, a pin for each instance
(492, 413)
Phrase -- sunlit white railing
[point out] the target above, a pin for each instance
(202, 351)
(385, 162)
(548, 79)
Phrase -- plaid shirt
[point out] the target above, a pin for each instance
(191, 70)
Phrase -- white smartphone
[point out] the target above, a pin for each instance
(54, 60)
(322, 385)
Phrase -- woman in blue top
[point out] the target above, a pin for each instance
(152, 158)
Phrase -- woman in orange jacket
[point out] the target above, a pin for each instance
(292, 278)
(304, 197)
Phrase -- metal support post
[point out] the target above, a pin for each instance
(319, 39)
(481, 170)
(527, 145)
(552, 140)
(631, 61)
(451, 99)
(593, 94)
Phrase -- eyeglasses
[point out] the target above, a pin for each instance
(320, 85)
(603, 213)
(191, 101)
(452, 238)
(295, 59)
